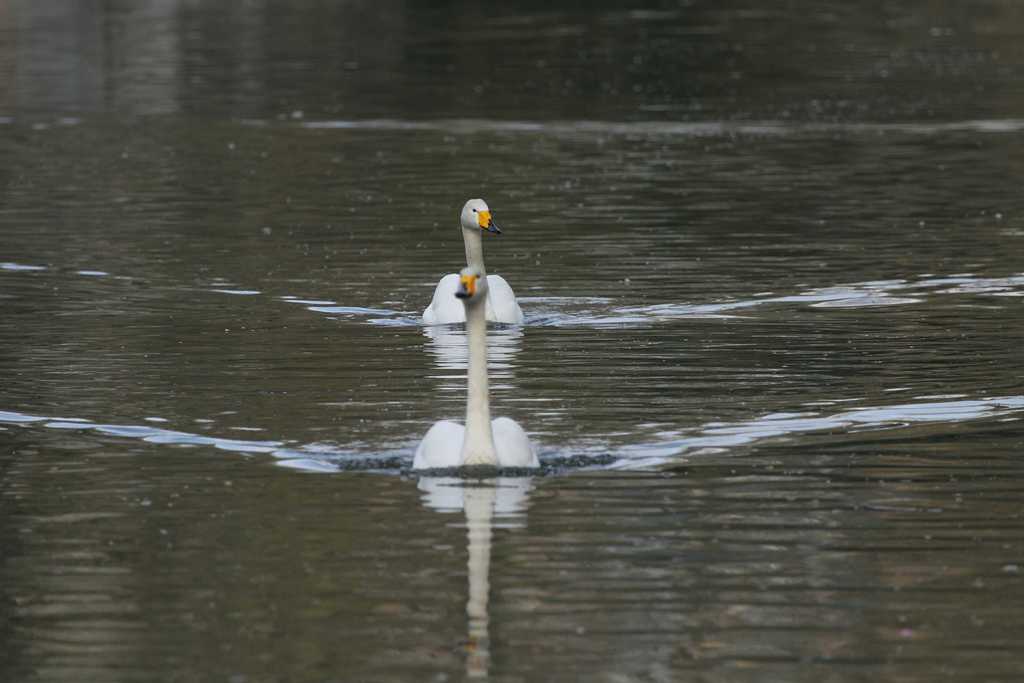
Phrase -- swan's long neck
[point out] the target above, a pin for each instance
(474, 250)
(478, 446)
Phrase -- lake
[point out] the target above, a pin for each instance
(771, 262)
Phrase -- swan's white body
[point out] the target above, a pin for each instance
(501, 442)
(444, 308)
(442, 446)
(502, 306)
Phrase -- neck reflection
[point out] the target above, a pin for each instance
(487, 504)
(447, 343)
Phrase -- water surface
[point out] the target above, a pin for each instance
(771, 267)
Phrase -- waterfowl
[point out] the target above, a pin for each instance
(502, 306)
(500, 442)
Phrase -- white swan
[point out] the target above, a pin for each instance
(502, 306)
(501, 442)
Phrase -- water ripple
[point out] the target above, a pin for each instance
(717, 437)
(597, 312)
(144, 432)
(19, 267)
(713, 437)
(584, 128)
(353, 310)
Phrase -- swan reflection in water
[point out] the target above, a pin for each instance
(488, 504)
(448, 345)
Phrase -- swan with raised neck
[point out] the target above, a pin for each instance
(482, 441)
(476, 221)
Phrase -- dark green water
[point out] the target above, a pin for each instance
(772, 265)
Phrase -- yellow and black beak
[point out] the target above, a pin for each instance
(467, 286)
(487, 223)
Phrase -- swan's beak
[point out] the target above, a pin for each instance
(467, 286)
(487, 224)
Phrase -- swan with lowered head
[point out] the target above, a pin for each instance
(501, 442)
(502, 306)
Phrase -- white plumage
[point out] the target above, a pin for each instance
(502, 306)
(444, 308)
(442, 446)
(482, 441)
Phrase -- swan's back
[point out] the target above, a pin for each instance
(512, 444)
(445, 308)
(441, 447)
(502, 306)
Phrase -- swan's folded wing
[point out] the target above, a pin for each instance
(441, 447)
(502, 306)
(445, 308)
(512, 444)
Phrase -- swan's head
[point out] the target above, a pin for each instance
(472, 285)
(476, 216)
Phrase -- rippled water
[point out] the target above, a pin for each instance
(772, 267)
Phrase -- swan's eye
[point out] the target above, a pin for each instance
(474, 210)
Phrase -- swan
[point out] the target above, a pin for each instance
(502, 306)
(501, 442)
